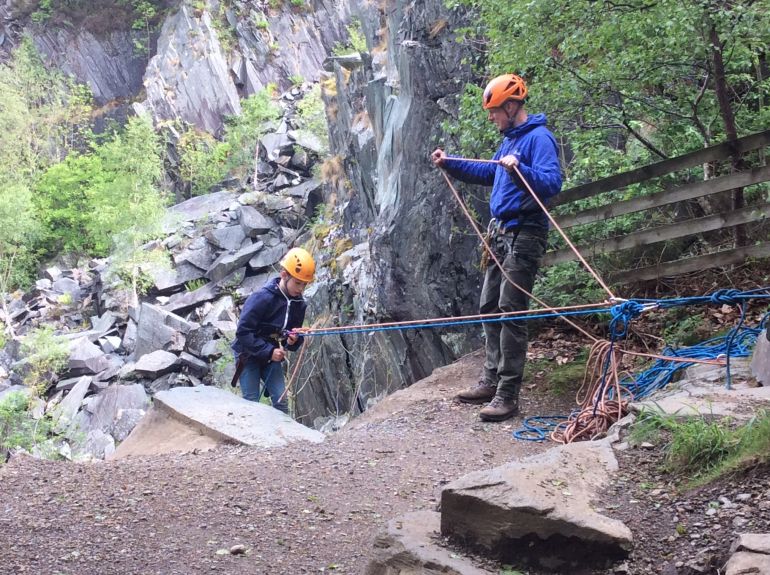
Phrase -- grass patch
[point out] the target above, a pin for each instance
(701, 449)
(559, 379)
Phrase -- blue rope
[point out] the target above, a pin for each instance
(538, 428)
(364, 329)
(738, 342)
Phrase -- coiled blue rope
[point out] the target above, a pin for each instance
(738, 342)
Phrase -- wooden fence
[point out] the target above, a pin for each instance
(669, 199)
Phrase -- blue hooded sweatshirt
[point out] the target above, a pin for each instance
(266, 314)
(510, 203)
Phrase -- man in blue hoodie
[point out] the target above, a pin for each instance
(267, 320)
(519, 229)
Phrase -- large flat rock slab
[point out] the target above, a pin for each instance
(408, 547)
(223, 415)
(703, 392)
(159, 432)
(538, 510)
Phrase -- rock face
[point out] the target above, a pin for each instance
(106, 62)
(191, 65)
(407, 547)
(398, 247)
(208, 65)
(417, 259)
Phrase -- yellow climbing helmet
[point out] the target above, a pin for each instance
(299, 263)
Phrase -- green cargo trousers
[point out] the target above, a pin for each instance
(520, 252)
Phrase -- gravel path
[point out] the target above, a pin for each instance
(301, 509)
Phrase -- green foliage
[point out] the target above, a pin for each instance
(697, 445)
(550, 286)
(701, 448)
(242, 132)
(127, 205)
(311, 116)
(356, 40)
(18, 428)
(43, 12)
(476, 136)
(260, 20)
(561, 378)
(46, 354)
(684, 329)
(583, 74)
(203, 160)
(89, 201)
(42, 113)
(622, 85)
(193, 285)
(63, 201)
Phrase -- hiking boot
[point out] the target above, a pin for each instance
(479, 393)
(499, 409)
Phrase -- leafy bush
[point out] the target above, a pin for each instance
(567, 284)
(206, 161)
(311, 115)
(242, 132)
(203, 160)
(17, 426)
(356, 40)
(42, 113)
(46, 354)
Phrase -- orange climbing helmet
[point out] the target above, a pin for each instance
(299, 263)
(504, 88)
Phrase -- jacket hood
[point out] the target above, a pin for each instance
(533, 121)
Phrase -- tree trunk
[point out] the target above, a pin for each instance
(726, 111)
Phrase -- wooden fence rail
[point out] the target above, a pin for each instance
(757, 212)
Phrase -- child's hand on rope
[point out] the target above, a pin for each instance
(279, 354)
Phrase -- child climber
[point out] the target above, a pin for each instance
(267, 320)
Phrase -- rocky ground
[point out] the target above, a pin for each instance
(316, 508)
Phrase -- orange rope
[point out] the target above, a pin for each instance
(597, 412)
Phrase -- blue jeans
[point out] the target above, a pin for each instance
(272, 374)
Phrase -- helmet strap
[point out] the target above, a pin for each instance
(512, 117)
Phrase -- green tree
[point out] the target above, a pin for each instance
(128, 204)
(63, 198)
(652, 79)
(242, 132)
(205, 161)
(42, 114)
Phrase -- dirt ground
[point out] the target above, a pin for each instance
(315, 508)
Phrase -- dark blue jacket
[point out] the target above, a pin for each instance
(510, 203)
(266, 314)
